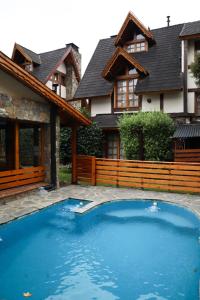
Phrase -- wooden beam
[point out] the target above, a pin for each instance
(185, 72)
(74, 154)
(17, 160)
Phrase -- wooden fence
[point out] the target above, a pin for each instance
(189, 155)
(168, 176)
(20, 177)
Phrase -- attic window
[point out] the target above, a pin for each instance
(136, 47)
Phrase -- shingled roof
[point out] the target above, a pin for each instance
(163, 62)
(107, 120)
(191, 28)
(33, 56)
(49, 61)
(46, 62)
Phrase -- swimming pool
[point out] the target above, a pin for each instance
(129, 250)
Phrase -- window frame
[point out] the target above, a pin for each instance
(126, 78)
(136, 42)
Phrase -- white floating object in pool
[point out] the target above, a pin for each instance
(154, 207)
(81, 203)
(1, 240)
(27, 294)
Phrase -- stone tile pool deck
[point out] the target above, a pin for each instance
(21, 205)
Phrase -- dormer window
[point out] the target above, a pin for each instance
(28, 67)
(138, 44)
(135, 46)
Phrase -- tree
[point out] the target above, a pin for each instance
(147, 132)
(195, 69)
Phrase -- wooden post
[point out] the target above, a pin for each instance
(16, 128)
(74, 164)
(42, 144)
(93, 161)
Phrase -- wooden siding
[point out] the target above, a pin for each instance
(168, 176)
(21, 177)
(188, 155)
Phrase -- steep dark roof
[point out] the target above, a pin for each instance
(163, 62)
(107, 120)
(49, 61)
(92, 83)
(190, 28)
(187, 131)
(34, 56)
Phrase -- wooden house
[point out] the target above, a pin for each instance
(147, 70)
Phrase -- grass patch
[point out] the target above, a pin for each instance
(65, 175)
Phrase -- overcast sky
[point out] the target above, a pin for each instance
(43, 25)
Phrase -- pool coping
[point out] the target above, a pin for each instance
(34, 201)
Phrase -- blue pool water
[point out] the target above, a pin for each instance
(127, 250)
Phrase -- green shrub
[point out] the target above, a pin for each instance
(156, 127)
(89, 141)
(195, 69)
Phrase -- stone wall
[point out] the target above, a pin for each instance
(71, 80)
(23, 109)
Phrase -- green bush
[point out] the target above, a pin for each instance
(89, 141)
(195, 69)
(156, 127)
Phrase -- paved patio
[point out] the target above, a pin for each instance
(11, 209)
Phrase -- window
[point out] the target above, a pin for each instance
(197, 47)
(29, 145)
(114, 147)
(136, 47)
(58, 80)
(62, 80)
(125, 96)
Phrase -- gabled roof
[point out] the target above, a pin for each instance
(131, 19)
(51, 61)
(119, 55)
(190, 30)
(28, 54)
(162, 60)
(27, 79)
(48, 62)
